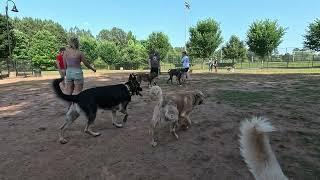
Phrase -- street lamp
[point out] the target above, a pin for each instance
(14, 9)
(187, 8)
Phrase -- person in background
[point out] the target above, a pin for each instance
(158, 57)
(185, 63)
(154, 63)
(72, 58)
(59, 61)
(210, 65)
(215, 64)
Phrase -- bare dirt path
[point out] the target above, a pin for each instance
(30, 116)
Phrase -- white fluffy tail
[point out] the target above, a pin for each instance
(156, 93)
(256, 150)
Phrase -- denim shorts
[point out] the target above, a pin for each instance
(74, 75)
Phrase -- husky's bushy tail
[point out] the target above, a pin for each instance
(156, 93)
(256, 150)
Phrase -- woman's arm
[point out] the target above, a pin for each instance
(85, 62)
(58, 65)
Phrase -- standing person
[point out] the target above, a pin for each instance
(72, 59)
(158, 57)
(210, 65)
(60, 64)
(185, 63)
(215, 64)
(154, 63)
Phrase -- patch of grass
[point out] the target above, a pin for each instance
(244, 98)
(266, 71)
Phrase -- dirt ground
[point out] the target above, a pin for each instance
(30, 116)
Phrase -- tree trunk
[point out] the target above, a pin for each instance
(8, 66)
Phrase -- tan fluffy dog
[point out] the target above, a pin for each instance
(173, 109)
(256, 150)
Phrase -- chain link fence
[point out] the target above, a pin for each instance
(5, 67)
(281, 58)
(20, 67)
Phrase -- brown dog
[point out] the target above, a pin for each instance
(173, 109)
(185, 103)
(147, 77)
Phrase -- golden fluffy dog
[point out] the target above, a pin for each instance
(173, 109)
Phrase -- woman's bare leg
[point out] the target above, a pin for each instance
(77, 88)
(69, 89)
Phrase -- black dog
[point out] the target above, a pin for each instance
(175, 72)
(114, 98)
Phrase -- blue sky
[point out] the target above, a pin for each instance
(144, 16)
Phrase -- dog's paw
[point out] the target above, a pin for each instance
(184, 127)
(117, 125)
(96, 134)
(175, 135)
(63, 141)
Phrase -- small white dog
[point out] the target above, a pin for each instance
(256, 150)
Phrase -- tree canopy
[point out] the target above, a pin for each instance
(205, 38)
(158, 42)
(43, 49)
(312, 37)
(264, 36)
(234, 49)
(88, 45)
(4, 42)
(116, 35)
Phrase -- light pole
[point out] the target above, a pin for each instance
(187, 7)
(14, 9)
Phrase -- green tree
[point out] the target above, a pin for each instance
(205, 38)
(88, 45)
(58, 31)
(130, 36)
(75, 31)
(234, 49)
(28, 25)
(116, 35)
(312, 37)
(31, 26)
(4, 42)
(108, 52)
(22, 45)
(43, 49)
(158, 42)
(133, 56)
(174, 55)
(264, 36)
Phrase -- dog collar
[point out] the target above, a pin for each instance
(128, 88)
